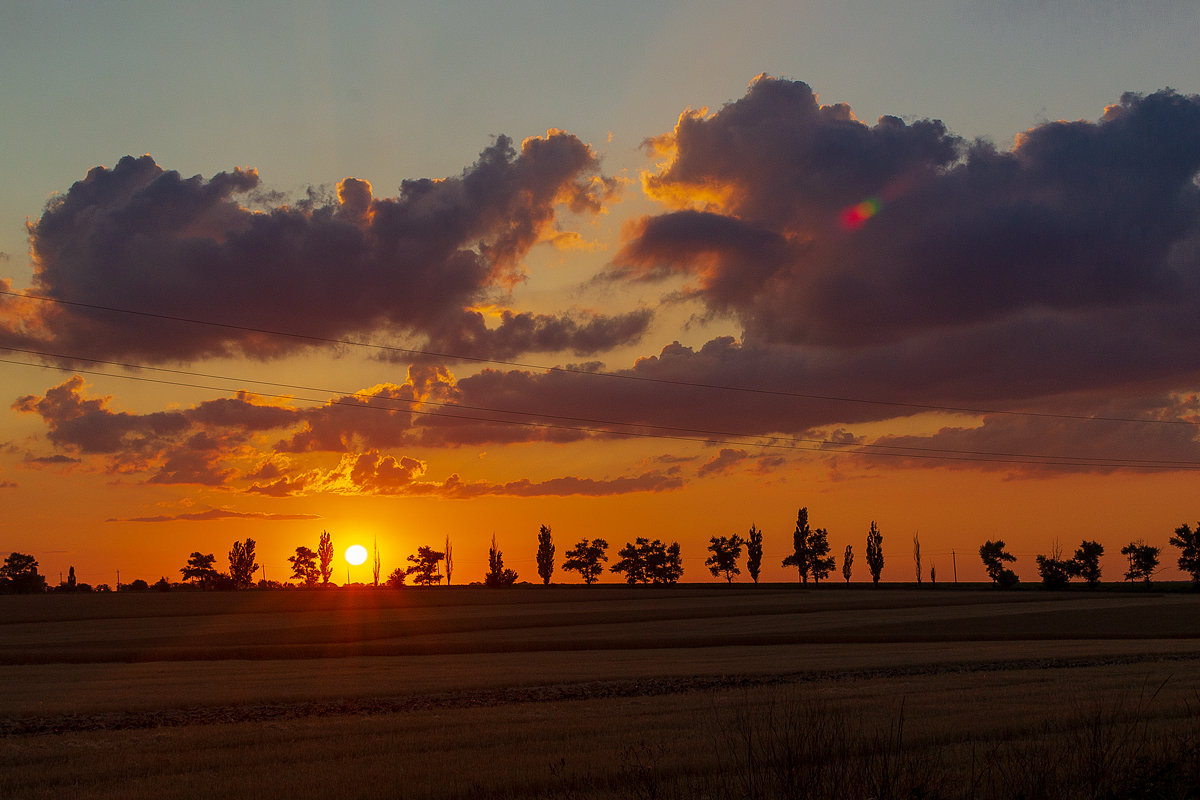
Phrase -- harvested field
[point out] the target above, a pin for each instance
(561, 692)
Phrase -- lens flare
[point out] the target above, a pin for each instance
(854, 216)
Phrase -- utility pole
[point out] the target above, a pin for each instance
(955, 563)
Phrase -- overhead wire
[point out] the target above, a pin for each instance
(605, 375)
(587, 425)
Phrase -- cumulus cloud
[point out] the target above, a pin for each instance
(1080, 219)
(138, 236)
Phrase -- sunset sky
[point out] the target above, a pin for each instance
(400, 271)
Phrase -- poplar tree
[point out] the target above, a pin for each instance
(754, 552)
(874, 552)
(545, 555)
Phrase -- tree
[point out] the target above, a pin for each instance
(200, 569)
(754, 552)
(425, 566)
(71, 583)
(585, 559)
(821, 563)
(800, 557)
(396, 579)
(449, 559)
(726, 550)
(994, 557)
(664, 564)
(375, 562)
(1143, 560)
(874, 553)
(242, 565)
(545, 555)
(497, 575)
(1054, 570)
(325, 554)
(1188, 542)
(20, 575)
(304, 566)
(917, 554)
(1086, 563)
(633, 561)
(643, 561)
(847, 562)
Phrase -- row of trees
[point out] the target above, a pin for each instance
(645, 561)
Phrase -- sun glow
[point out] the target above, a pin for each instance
(356, 554)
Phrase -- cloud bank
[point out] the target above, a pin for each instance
(138, 236)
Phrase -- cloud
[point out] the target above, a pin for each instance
(1088, 219)
(142, 237)
(218, 443)
(897, 262)
(215, 514)
(723, 461)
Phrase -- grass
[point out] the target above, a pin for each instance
(576, 692)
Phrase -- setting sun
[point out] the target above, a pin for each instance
(356, 554)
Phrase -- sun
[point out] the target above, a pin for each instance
(356, 554)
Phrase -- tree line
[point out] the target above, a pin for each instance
(641, 561)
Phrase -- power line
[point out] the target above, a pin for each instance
(577, 371)
(586, 426)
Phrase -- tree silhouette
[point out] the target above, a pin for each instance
(1055, 571)
(1188, 542)
(449, 559)
(497, 575)
(20, 575)
(325, 555)
(643, 561)
(1143, 560)
(545, 555)
(754, 552)
(874, 553)
(726, 550)
(242, 565)
(994, 557)
(917, 554)
(822, 563)
(847, 563)
(585, 559)
(1086, 563)
(200, 569)
(664, 564)
(71, 583)
(425, 568)
(632, 563)
(304, 566)
(801, 555)
(375, 564)
(396, 579)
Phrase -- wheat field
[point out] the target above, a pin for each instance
(602, 691)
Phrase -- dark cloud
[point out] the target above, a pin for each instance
(895, 261)
(142, 237)
(215, 514)
(210, 444)
(1081, 218)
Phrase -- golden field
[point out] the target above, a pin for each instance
(573, 691)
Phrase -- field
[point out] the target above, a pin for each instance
(574, 692)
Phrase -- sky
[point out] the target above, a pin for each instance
(407, 271)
